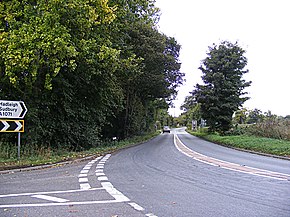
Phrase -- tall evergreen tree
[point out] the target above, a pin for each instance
(222, 92)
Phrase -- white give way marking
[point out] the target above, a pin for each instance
(84, 187)
(50, 198)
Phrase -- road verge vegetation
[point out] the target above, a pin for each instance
(257, 144)
(37, 155)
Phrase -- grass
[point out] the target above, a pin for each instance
(40, 156)
(252, 143)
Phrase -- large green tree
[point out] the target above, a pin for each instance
(223, 90)
(86, 69)
(56, 56)
(191, 110)
(152, 74)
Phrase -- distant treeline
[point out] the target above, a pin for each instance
(87, 70)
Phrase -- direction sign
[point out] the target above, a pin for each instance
(11, 126)
(12, 109)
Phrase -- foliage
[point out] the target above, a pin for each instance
(55, 58)
(221, 94)
(191, 110)
(254, 116)
(271, 126)
(154, 80)
(240, 116)
(87, 70)
(261, 124)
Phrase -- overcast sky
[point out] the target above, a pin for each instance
(261, 27)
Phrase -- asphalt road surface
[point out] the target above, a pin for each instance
(174, 175)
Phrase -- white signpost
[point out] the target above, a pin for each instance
(12, 109)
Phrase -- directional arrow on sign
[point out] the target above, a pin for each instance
(11, 126)
(19, 126)
(12, 109)
(6, 126)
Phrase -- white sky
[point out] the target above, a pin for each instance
(261, 27)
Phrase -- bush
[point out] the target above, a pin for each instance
(272, 127)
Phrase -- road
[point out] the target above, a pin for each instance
(174, 175)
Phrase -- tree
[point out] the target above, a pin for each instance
(153, 73)
(56, 56)
(240, 116)
(254, 116)
(191, 110)
(222, 92)
(87, 70)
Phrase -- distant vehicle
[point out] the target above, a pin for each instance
(166, 129)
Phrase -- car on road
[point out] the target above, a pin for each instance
(166, 129)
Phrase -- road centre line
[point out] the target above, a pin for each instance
(227, 165)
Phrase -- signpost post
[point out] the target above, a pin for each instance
(13, 110)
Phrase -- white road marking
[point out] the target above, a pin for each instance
(48, 192)
(84, 171)
(83, 180)
(114, 192)
(106, 157)
(50, 198)
(102, 178)
(227, 165)
(107, 186)
(100, 167)
(136, 206)
(85, 186)
(100, 174)
(59, 204)
(150, 215)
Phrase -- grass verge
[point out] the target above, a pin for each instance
(48, 156)
(251, 143)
